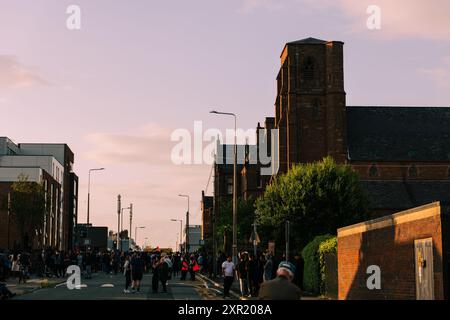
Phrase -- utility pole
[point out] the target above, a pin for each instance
(9, 214)
(187, 232)
(255, 248)
(131, 218)
(119, 209)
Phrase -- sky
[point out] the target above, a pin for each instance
(117, 88)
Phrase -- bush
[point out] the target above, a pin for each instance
(311, 273)
(326, 247)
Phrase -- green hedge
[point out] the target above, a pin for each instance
(327, 246)
(311, 273)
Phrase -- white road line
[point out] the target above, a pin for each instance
(61, 284)
(107, 285)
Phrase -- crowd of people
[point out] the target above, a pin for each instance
(252, 272)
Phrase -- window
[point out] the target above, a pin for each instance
(308, 69)
(258, 180)
(412, 171)
(373, 171)
(448, 172)
(230, 186)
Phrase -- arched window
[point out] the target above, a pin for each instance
(308, 69)
(373, 171)
(412, 171)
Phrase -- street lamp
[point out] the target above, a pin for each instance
(234, 184)
(121, 225)
(181, 229)
(187, 224)
(89, 190)
(135, 233)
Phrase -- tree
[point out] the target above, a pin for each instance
(28, 208)
(245, 218)
(316, 198)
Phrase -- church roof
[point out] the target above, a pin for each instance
(400, 195)
(308, 41)
(398, 133)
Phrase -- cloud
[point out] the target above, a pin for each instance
(13, 74)
(440, 75)
(149, 145)
(399, 18)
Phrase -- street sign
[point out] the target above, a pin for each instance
(255, 239)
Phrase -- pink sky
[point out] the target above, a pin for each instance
(137, 70)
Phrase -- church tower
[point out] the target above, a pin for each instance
(310, 104)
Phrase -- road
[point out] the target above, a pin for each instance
(110, 287)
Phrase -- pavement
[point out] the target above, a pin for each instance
(110, 287)
(31, 284)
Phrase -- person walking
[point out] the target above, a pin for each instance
(253, 276)
(281, 288)
(193, 267)
(228, 270)
(184, 268)
(127, 274)
(268, 268)
(80, 261)
(137, 271)
(176, 265)
(163, 270)
(155, 276)
(242, 272)
(88, 262)
(15, 267)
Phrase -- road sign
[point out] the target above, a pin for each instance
(255, 239)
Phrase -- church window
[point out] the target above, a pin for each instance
(412, 171)
(373, 171)
(308, 69)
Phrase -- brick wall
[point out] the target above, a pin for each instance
(389, 243)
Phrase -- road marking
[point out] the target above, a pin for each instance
(81, 286)
(107, 285)
(61, 284)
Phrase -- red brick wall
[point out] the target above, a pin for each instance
(400, 170)
(392, 249)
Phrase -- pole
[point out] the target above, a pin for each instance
(131, 217)
(9, 214)
(287, 240)
(255, 249)
(118, 220)
(135, 235)
(181, 235)
(89, 195)
(235, 196)
(187, 232)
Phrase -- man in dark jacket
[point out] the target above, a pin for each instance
(281, 288)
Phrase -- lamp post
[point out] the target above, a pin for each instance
(121, 225)
(135, 233)
(89, 190)
(187, 224)
(181, 229)
(234, 184)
